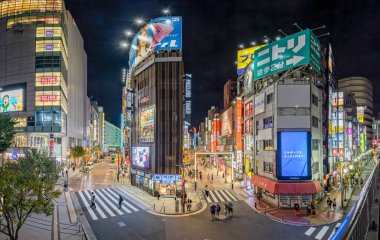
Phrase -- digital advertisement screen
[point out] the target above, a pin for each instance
(147, 125)
(12, 100)
(141, 156)
(164, 33)
(293, 156)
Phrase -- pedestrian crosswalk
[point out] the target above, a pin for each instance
(223, 195)
(322, 232)
(106, 203)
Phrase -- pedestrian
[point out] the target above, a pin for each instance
(223, 176)
(212, 177)
(308, 209)
(63, 173)
(334, 203)
(212, 211)
(120, 200)
(93, 200)
(217, 210)
(230, 208)
(312, 208)
(206, 191)
(65, 185)
(190, 204)
(329, 202)
(74, 168)
(66, 173)
(296, 208)
(361, 182)
(225, 209)
(200, 175)
(158, 196)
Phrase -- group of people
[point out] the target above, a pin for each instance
(215, 209)
(331, 203)
(93, 200)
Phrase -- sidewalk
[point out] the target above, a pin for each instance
(323, 214)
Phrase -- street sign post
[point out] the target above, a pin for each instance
(292, 51)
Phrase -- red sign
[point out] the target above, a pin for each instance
(341, 152)
(51, 145)
(48, 98)
(48, 80)
(374, 142)
(239, 125)
(335, 152)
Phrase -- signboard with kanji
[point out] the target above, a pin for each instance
(292, 51)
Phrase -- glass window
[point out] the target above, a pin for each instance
(248, 108)
(268, 122)
(314, 100)
(314, 121)
(269, 98)
(20, 122)
(268, 145)
(268, 167)
(315, 144)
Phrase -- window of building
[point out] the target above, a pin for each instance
(315, 144)
(248, 126)
(269, 98)
(257, 147)
(268, 167)
(314, 121)
(268, 122)
(268, 145)
(20, 122)
(314, 100)
(248, 108)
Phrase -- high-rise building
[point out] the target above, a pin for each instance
(362, 90)
(96, 125)
(43, 75)
(230, 92)
(112, 136)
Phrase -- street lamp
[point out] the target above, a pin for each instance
(253, 43)
(128, 33)
(139, 21)
(123, 45)
(278, 38)
(166, 11)
(241, 46)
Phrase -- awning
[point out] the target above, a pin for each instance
(312, 187)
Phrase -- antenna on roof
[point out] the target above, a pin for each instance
(296, 24)
(280, 30)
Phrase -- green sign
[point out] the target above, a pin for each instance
(292, 51)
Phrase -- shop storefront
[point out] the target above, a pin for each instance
(167, 184)
(142, 180)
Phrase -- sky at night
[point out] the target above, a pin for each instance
(212, 31)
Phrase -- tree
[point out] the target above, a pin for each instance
(27, 187)
(97, 150)
(78, 152)
(7, 133)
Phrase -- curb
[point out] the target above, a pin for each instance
(186, 214)
(89, 234)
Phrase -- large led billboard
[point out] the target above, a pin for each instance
(140, 156)
(292, 51)
(147, 125)
(12, 100)
(293, 156)
(227, 122)
(164, 33)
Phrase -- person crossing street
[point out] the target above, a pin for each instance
(93, 200)
(120, 201)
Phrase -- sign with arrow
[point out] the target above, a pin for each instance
(292, 51)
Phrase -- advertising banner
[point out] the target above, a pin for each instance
(292, 51)
(360, 114)
(141, 156)
(248, 79)
(147, 125)
(164, 33)
(12, 100)
(227, 122)
(245, 57)
(239, 125)
(293, 156)
(259, 103)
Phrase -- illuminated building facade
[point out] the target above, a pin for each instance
(40, 86)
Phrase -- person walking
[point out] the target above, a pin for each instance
(217, 210)
(65, 186)
(120, 200)
(312, 208)
(230, 208)
(93, 200)
(190, 204)
(225, 209)
(212, 177)
(361, 182)
(334, 203)
(200, 175)
(329, 203)
(158, 196)
(212, 211)
(206, 191)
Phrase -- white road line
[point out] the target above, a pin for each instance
(219, 196)
(214, 198)
(98, 209)
(104, 206)
(225, 195)
(85, 201)
(231, 195)
(141, 203)
(127, 203)
(310, 231)
(334, 230)
(322, 232)
(116, 207)
(122, 206)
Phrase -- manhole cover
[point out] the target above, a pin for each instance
(121, 224)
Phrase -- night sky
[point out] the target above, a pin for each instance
(212, 31)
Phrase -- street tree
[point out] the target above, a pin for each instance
(78, 152)
(27, 187)
(7, 132)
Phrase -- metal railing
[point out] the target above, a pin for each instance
(355, 225)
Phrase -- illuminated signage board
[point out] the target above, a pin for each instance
(141, 156)
(188, 97)
(147, 125)
(245, 57)
(12, 99)
(293, 156)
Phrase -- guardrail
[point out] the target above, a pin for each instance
(355, 225)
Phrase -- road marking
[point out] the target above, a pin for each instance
(218, 195)
(224, 195)
(322, 232)
(113, 205)
(104, 205)
(84, 200)
(140, 202)
(127, 203)
(97, 209)
(211, 194)
(231, 195)
(122, 206)
(310, 231)
(121, 224)
(335, 228)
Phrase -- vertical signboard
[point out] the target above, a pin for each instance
(239, 124)
(188, 98)
(292, 51)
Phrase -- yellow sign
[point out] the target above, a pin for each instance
(330, 127)
(341, 129)
(245, 56)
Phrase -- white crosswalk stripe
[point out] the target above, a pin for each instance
(310, 231)
(107, 203)
(322, 232)
(136, 200)
(334, 230)
(223, 195)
